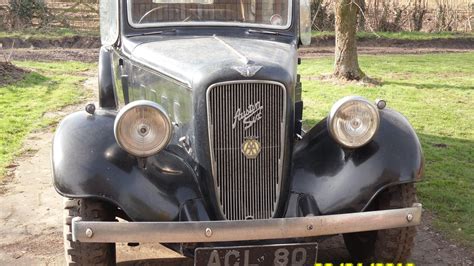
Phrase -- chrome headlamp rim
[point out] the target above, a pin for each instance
(146, 103)
(337, 106)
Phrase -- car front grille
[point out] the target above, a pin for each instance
(243, 116)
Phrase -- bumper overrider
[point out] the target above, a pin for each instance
(225, 231)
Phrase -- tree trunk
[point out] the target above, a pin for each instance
(346, 63)
(363, 9)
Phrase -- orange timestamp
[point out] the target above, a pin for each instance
(362, 264)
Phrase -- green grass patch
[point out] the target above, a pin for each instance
(47, 33)
(404, 35)
(436, 93)
(48, 87)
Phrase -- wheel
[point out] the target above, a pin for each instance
(385, 246)
(87, 253)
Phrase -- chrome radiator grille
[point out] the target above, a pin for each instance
(243, 117)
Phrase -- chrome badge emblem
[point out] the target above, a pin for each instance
(251, 148)
(249, 116)
(247, 70)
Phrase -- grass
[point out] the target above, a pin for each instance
(48, 87)
(436, 93)
(404, 35)
(46, 33)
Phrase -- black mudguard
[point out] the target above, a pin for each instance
(325, 178)
(328, 179)
(87, 162)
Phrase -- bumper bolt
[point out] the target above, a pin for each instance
(309, 227)
(208, 232)
(89, 233)
(410, 217)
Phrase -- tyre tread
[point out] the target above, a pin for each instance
(78, 253)
(390, 245)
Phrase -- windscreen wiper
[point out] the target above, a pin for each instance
(269, 32)
(152, 33)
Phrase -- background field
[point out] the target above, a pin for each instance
(435, 93)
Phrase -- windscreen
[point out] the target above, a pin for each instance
(252, 13)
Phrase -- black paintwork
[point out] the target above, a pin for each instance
(107, 97)
(319, 177)
(87, 162)
(340, 180)
(298, 106)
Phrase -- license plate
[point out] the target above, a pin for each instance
(281, 255)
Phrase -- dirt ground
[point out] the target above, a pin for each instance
(325, 46)
(86, 48)
(83, 42)
(92, 55)
(31, 219)
(56, 54)
(9, 73)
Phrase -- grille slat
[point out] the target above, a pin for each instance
(246, 187)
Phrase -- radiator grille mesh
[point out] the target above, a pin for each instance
(246, 188)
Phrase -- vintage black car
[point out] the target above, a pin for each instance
(197, 143)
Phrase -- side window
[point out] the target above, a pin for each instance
(109, 21)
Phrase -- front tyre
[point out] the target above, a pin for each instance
(391, 245)
(78, 253)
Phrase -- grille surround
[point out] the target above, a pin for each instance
(246, 188)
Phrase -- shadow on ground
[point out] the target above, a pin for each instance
(162, 262)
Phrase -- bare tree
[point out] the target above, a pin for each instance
(420, 8)
(346, 62)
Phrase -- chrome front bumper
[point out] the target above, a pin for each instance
(224, 231)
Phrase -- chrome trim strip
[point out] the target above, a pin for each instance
(282, 137)
(242, 57)
(223, 231)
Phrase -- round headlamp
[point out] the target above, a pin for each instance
(353, 121)
(142, 128)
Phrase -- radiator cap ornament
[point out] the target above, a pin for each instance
(251, 148)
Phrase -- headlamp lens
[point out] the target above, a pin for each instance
(353, 121)
(142, 128)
